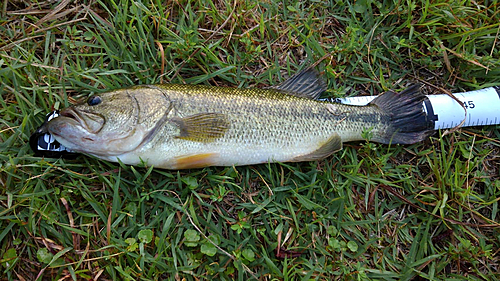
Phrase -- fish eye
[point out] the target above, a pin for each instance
(94, 100)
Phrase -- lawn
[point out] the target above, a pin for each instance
(370, 211)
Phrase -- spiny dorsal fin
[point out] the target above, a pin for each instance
(306, 84)
(202, 127)
(333, 144)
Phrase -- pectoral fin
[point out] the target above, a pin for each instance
(195, 161)
(333, 144)
(203, 127)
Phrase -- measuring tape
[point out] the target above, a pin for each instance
(483, 108)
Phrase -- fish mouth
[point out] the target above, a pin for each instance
(89, 121)
(70, 113)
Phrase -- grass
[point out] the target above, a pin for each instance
(425, 211)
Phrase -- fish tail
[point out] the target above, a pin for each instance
(408, 120)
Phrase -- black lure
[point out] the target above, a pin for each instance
(45, 145)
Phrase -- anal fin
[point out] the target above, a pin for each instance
(333, 144)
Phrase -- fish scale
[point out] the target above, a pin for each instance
(262, 126)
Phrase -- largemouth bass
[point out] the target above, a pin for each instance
(190, 126)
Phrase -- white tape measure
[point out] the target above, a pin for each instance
(483, 108)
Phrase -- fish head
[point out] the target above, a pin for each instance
(104, 125)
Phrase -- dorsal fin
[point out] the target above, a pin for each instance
(306, 84)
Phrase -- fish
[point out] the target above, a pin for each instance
(178, 126)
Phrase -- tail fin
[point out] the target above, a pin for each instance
(408, 121)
